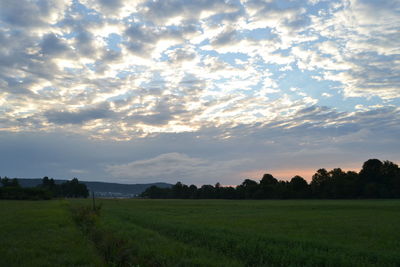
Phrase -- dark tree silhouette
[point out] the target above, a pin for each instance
(371, 171)
(376, 180)
(299, 187)
(74, 189)
(247, 189)
(11, 189)
(268, 187)
(7, 182)
(391, 179)
(370, 176)
(320, 184)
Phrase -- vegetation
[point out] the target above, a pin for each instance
(127, 244)
(375, 180)
(42, 233)
(257, 233)
(11, 189)
(148, 232)
(145, 232)
(69, 189)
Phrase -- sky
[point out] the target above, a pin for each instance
(206, 91)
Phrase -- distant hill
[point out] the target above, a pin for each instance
(102, 189)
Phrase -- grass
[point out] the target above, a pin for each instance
(259, 233)
(42, 233)
(202, 233)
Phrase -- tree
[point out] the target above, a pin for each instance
(299, 187)
(156, 192)
(337, 183)
(371, 177)
(376, 179)
(391, 179)
(268, 179)
(320, 184)
(218, 189)
(193, 191)
(207, 191)
(268, 186)
(46, 182)
(49, 184)
(247, 188)
(7, 182)
(228, 192)
(177, 190)
(371, 171)
(352, 187)
(74, 189)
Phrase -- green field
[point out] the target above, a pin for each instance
(203, 233)
(42, 233)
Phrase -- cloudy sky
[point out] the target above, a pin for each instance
(204, 91)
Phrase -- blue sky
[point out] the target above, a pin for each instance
(197, 91)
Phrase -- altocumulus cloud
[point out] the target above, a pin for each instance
(263, 81)
(79, 116)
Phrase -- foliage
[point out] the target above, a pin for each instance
(48, 189)
(24, 193)
(12, 190)
(68, 189)
(375, 180)
(7, 182)
(73, 189)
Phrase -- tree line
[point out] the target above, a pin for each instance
(48, 189)
(376, 179)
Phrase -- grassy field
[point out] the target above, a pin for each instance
(205, 233)
(42, 233)
(259, 233)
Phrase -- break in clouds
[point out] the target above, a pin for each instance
(197, 91)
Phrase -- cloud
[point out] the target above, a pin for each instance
(176, 11)
(53, 46)
(187, 76)
(34, 13)
(288, 18)
(361, 40)
(144, 40)
(317, 137)
(113, 8)
(227, 37)
(172, 167)
(78, 116)
(181, 55)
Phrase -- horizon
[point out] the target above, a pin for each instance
(197, 91)
(255, 175)
(94, 181)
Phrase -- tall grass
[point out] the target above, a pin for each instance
(200, 233)
(114, 249)
(131, 245)
(42, 233)
(268, 233)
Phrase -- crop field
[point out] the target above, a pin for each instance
(202, 233)
(42, 233)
